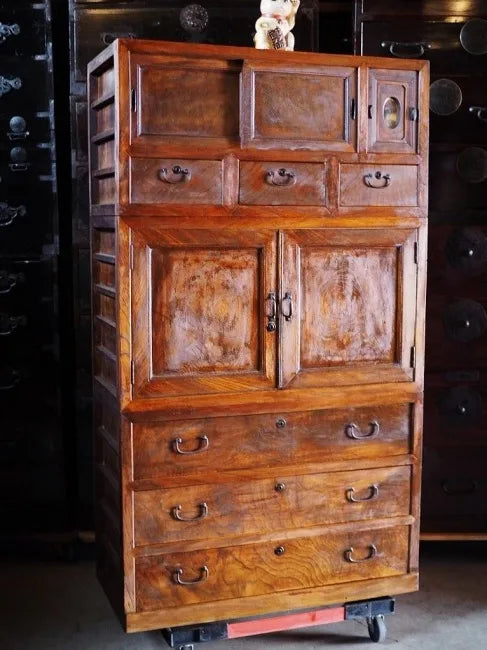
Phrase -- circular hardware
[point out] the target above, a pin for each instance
(18, 155)
(17, 124)
(281, 423)
(473, 36)
(445, 97)
(376, 626)
(280, 487)
(279, 550)
(465, 320)
(271, 327)
(194, 18)
(460, 406)
(472, 164)
(466, 250)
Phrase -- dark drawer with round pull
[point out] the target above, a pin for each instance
(282, 183)
(270, 440)
(23, 30)
(23, 83)
(22, 126)
(364, 185)
(25, 163)
(269, 505)
(172, 181)
(177, 579)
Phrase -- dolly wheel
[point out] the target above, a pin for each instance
(377, 628)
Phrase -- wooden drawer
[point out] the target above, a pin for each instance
(270, 567)
(270, 440)
(155, 180)
(394, 185)
(281, 183)
(269, 505)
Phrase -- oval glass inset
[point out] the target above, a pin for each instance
(445, 97)
(391, 112)
(472, 164)
(473, 36)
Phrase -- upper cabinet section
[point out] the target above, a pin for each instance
(299, 107)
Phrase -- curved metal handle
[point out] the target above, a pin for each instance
(349, 555)
(271, 316)
(176, 513)
(9, 83)
(281, 178)
(9, 280)
(350, 430)
(179, 175)
(469, 488)
(480, 112)
(204, 444)
(415, 49)
(19, 167)
(288, 315)
(384, 180)
(8, 324)
(8, 214)
(109, 37)
(204, 573)
(8, 30)
(16, 377)
(373, 494)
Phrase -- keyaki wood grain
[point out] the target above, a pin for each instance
(258, 266)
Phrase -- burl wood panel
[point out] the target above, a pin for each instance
(401, 190)
(252, 570)
(262, 440)
(282, 183)
(270, 505)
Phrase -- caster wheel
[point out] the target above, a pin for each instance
(377, 628)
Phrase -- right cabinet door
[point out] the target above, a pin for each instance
(393, 111)
(348, 306)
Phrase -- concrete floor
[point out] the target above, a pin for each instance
(58, 606)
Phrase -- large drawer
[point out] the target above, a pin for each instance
(270, 440)
(394, 185)
(269, 505)
(269, 567)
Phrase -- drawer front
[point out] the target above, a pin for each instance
(394, 185)
(270, 567)
(189, 446)
(457, 180)
(281, 183)
(175, 181)
(21, 127)
(270, 505)
(25, 83)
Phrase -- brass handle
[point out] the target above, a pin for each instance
(349, 555)
(9, 83)
(8, 30)
(283, 177)
(204, 444)
(373, 494)
(480, 112)
(384, 180)
(409, 51)
(469, 488)
(177, 175)
(8, 214)
(204, 573)
(271, 315)
(288, 315)
(352, 428)
(176, 513)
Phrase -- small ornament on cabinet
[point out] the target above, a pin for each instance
(273, 28)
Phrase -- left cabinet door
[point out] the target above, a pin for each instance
(201, 306)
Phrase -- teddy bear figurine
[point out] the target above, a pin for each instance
(273, 28)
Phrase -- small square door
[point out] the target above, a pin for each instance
(393, 111)
(348, 306)
(200, 303)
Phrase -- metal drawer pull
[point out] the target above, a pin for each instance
(204, 573)
(7, 84)
(271, 316)
(8, 214)
(8, 281)
(14, 379)
(283, 177)
(288, 316)
(9, 324)
(176, 513)
(409, 50)
(8, 30)
(470, 487)
(179, 175)
(480, 112)
(370, 556)
(373, 494)
(204, 444)
(384, 180)
(109, 37)
(352, 429)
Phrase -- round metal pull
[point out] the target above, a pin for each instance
(203, 446)
(177, 175)
(373, 494)
(480, 112)
(406, 50)
(473, 36)
(353, 430)
(381, 182)
(176, 513)
(282, 177)
(281, 423)
(349, 555)
(8, 281)
(280, 487)
(178, 579)
(8, 214)
(8, 324)
(279, 550)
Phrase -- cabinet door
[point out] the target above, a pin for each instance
(200, 305)
(348, 306)
(393, 111)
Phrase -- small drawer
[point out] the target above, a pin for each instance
(281, 183)
(155, 180)
(270, 567)
(270, 440)
(394, 185)
(269, 505)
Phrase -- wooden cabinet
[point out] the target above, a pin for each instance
(258, 299)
